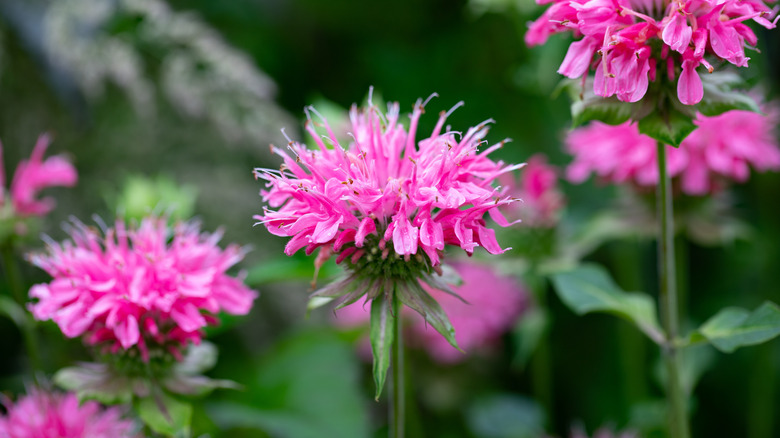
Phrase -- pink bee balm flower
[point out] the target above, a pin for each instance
(488, 314)
(386, 188)
(626, 40)
(725, 146)
(538, 189)
(387, 204)
(144, 287)
(722, 147)
(54, 415)
(34, 175)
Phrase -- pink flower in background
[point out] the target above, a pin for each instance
(54, 415)
(725, 146)
(541, 200)
(386, 190)
(34, 175)
(622, 34)
(721, 148)
(147, 286)
(618, 154)
(494, 304)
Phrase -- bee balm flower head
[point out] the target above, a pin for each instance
(627, 41)
(53, 415)
(721, 148)
(387, 203)
(146, 287)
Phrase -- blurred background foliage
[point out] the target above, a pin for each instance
(172, 104)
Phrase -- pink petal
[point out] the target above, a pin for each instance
(690, 90)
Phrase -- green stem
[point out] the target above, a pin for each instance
(678, 418)
(26, 327)
(397, 410)
(12, 273)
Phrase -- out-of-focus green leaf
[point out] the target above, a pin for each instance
(98, 382)
(720, 95)
(587, 106)
(165, 414)
(589, 288)
(734, 327)
(141, 195)
(382, 334)
(505, 416)
(307, 386)
(695, 361)
(527, 333)
(198, 359)
(601, 228)
(189, 385)
(14, 312)
(669, 128)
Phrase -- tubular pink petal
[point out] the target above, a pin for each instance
(578, 58)
(690, 89)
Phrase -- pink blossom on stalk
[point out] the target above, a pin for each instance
(386, 190)
(618, 154)
(34, 175)
(538, 188)
(488, 314)
(625, 31)
(725, 146)
(55, 415)
(720, 148)
(147, 286)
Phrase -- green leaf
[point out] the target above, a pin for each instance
(196, 385)
(670, 128)
(309, 385)
(505, 416)
(198, 359)
(14, 312)
(587, 106)
(720, 96)
(527, 333)
(734, 327)
(97, 382)
(589, 288)
(165, 414)
(381, 333)
(414, 296)
(694, 362)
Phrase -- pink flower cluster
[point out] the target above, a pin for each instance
(386, 184)
(541, 200)
(54, 415)
(489, 313)
(720, 148)
(34, 175)
(622, 34)
(146, 286)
